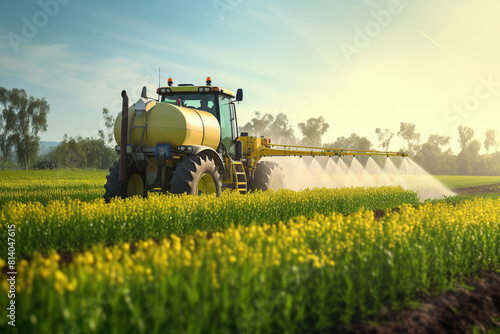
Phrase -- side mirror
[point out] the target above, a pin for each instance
(239, 95)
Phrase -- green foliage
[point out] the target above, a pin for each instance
(81, 153)
(6, 163)
(467, 159)
(434, 159)
(353, 142)
(281, 132)
(275, 127)
(109, 122)
(313, 130)
(461, 198)
(302, 275)
(491, 140)
(384, 137)
(408, 133)
(462, 181)
(437, 159)
(44, 186)
(161, 215)
(262, 262)
(24, 118)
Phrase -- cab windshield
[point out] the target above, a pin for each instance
(192, 100)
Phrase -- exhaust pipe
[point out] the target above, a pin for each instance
(124, 141)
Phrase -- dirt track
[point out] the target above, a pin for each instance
(451, 312)
(489, 188)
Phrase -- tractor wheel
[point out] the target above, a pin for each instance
(196, 175)
(135, 183)
(267, 175)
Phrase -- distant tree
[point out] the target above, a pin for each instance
(384, 137)
(25, 118)
(282, 130)
(6, 131)
(109, 122)
(313, 130)
(45, 161)
(275, 127)
(467, 159)
(407, 132)
(82, 153)
(101, 135)
(465, 135)
(438, 140)
(353, 142)
(491, 140)
(7, 124)
(434, 159)
(259, 125)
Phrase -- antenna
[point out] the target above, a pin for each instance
(159, 84)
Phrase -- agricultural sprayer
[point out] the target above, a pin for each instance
(187, 141)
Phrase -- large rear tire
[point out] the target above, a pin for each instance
(196, 175)
(267, 175)
(135, 185)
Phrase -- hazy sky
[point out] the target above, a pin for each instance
(360, 64)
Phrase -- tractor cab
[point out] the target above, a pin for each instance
(216, 100)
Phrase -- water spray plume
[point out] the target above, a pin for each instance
(336, 172)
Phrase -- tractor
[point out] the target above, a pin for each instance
(187, 141)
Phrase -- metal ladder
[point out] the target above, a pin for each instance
(240, 176)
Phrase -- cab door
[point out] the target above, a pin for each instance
(227, 119)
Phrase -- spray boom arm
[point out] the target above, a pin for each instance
(255, 148)
(291, 150)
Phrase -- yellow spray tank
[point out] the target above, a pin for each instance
(167, 123)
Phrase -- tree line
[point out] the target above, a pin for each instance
(24, 117)
(79, 152)
(434, 155)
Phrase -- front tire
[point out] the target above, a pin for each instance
(196, 175)
(134, 186)
(267, 175)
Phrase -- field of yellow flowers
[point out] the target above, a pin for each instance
(73, 225)
(49, 185)
(259, 263)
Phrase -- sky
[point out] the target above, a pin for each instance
(361, 64)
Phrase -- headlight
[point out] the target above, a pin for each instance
(200, 89)
(185, 148)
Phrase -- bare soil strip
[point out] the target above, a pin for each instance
(456, 311)
(478, 190)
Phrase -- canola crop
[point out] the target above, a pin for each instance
(74, 225)
(265, 262)
(299, 275)
(44, 186)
